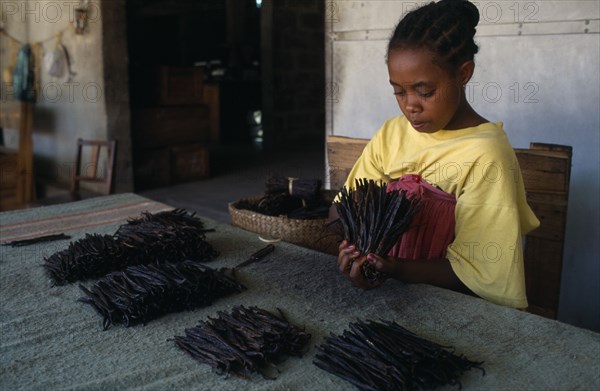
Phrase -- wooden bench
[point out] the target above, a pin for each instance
(546, 172)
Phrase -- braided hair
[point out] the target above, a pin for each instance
(446, 28)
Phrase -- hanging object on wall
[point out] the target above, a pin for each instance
(81, 17)
(24, 75)
(57, 62)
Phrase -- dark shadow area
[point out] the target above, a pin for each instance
(222, 94)
(218, 84)
(242, 173)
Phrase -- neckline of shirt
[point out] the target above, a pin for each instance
(448, 134)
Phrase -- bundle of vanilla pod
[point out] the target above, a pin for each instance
(164, 237)
(386, 356)
(145, 292)
(246, 341)
(295, 198)
(373, 219)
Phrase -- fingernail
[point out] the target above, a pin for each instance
(371, 258)
(351, 247)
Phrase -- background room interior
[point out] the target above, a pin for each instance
(259, 82)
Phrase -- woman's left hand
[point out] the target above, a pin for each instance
(385, 265)
(357, 277)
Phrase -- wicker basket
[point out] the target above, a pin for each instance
(312, 234)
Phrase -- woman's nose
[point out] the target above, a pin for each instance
(412, 104)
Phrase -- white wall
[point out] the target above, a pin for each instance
(537, 71)
(65, 109)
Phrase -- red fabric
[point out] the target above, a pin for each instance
(432, 228)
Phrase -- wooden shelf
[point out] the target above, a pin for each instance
(173, 121)
(16, 166)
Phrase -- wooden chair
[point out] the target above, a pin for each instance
(546, 172)
(88, 170)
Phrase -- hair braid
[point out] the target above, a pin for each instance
(446, 28)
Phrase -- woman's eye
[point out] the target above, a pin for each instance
(399, 93)
(426, 94)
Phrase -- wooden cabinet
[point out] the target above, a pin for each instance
(173, 121)
(189, 162)
(163, 126)
(9, 162)
(16, 166)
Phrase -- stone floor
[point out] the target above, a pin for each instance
(236, 172)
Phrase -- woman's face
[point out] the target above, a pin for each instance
(428, 95)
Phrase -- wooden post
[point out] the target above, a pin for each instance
(25, 184)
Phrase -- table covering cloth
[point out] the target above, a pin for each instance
(49, 340)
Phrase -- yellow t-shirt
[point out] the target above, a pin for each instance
(479, 167)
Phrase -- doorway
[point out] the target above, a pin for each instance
(261, 65)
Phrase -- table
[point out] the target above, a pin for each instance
(49, 340)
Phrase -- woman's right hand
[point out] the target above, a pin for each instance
(350, 263)
(346, 256)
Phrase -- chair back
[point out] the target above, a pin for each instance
(546, 172)
(88, 167)
(342, 153)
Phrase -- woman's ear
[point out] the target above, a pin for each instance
(465, 72)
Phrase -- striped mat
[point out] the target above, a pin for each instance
(79, 218)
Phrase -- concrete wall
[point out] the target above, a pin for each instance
(537, 71)
(67, 108)
(116, 89)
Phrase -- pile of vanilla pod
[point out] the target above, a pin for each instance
(295, 198)
(385, 356)
(159, 238)
(150, 268)
(246, 341)
(373, 219)
(144, 292)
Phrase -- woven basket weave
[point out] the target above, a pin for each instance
(312, 234)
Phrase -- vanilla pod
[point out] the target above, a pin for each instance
(246, 341)
(306, 189)
(145, 292)
(163, 237)
(296, 198)
(386, 356)
(373, 219)
(36, 240)
(166, 237)
(90, 257)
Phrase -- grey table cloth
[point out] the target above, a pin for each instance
(49, 340)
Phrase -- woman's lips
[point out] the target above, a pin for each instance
(418, 125)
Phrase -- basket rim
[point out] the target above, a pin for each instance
(232, 207)
(302, 232)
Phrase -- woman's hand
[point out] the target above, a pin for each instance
(387, 266)
(436, 272)
(351, 262)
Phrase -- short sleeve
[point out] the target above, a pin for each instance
(486, 253)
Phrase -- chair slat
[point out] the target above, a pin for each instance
(544, 171)
(342, 153)
(91, 173)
